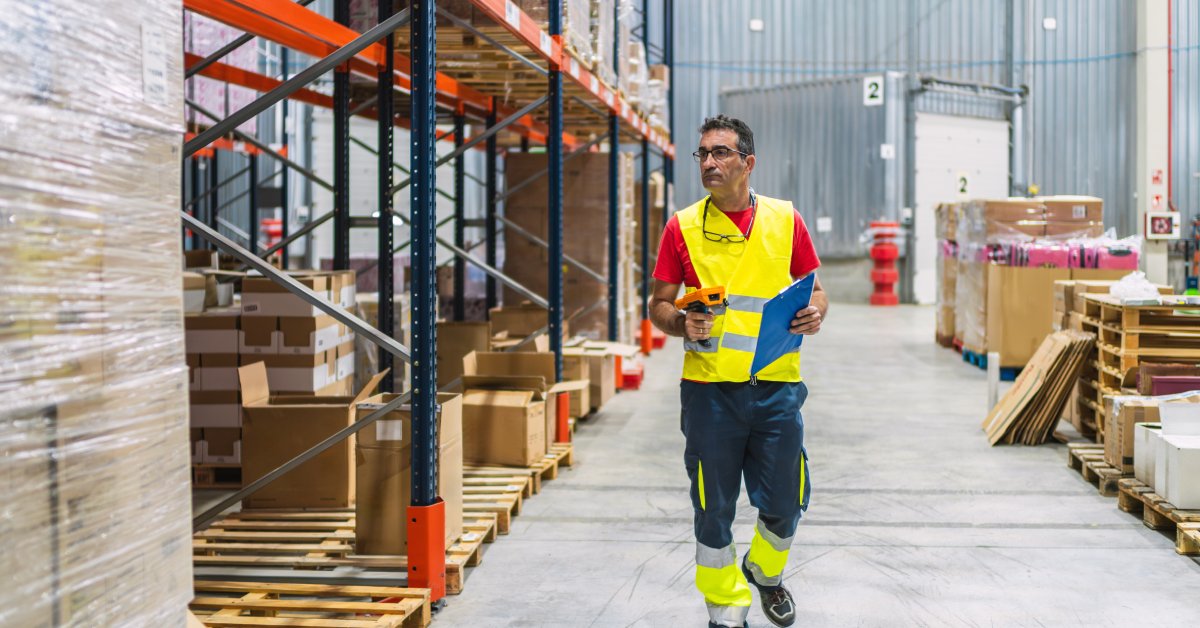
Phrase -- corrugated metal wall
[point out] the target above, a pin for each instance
(1185, 39)
(1081, 106)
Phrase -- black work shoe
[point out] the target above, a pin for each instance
(776, 601)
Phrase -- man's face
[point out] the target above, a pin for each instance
(727, 173)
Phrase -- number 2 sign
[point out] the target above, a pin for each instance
(873, 90)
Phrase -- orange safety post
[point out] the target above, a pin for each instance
(885, 253)
(563, 420)
(427, 548)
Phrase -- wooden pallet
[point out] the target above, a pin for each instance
(273, 604)
(1136, 497)
(560, 455)
(1088, 460)
(216, 476)
(296, 539)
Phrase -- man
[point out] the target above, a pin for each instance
(737, 425)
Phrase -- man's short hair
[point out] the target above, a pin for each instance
(745, 142)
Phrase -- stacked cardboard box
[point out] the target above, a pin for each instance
(946, 216)
(305, 351)
(585, 236)
(1010, 253)
(96, 509)
(1166, 454)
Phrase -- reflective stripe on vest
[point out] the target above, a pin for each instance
(752, 272)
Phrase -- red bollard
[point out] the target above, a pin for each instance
(885, 253)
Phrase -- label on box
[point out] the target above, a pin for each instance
(1079, 212)
(544, 42)
(155, 53)
(512, 14)
(392, 430)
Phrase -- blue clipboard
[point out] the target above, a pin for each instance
(774, 338)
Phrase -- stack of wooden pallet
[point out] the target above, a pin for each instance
(1130, 335)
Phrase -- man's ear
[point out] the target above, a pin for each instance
(749, 164)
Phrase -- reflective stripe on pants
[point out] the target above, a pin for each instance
(720, 579)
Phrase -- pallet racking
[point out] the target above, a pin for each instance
(411, 90)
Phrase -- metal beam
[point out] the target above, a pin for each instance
(644, 227)
(423, 46)
(252, 217)
(285, 209)
(367, 147)
(460, 218)
(386, 201)
(490, 216)
(341, 151)
(486, 268)
(307, 173)
(480, 138)
(384, 341)
(308, 75)
(201, 521)
(221, 52)
(554, 151)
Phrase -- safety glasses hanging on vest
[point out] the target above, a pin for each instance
(732, 239)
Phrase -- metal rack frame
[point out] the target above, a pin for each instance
(374, 55)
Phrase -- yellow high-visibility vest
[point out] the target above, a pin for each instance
(752, 271)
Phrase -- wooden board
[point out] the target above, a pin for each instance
(296, 539)
(276, 604)
(1135, 497)
(1088, 460)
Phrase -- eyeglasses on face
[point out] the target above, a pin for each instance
(721, 153)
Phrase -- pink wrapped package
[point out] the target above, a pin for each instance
(1116, 257)
(1046, 254)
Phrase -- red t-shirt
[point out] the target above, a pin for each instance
(675, 266)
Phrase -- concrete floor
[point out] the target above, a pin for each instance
(914, 521)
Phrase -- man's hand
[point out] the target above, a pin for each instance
(697, 325)
(807, 321)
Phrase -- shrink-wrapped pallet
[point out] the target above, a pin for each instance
(94, 479)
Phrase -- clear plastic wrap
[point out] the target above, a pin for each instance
(203, 36)
(577, 27)
(603, 36)
(95, 514)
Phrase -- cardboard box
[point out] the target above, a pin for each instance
(1181, 484)
(345, 360)
(1149, 371)
(215, 409)
(1145, 449)
(217, 372)
(518, 320)
(384, 475)
(221, 445)
(277, 428)
(599, 366)
(1181, 417)
(505, 427)
(527, 371)
(1121, 416)
(1078, 209)
(455, 340)
(263, 297)
(298, 373)
(213, 331)
(307, 335)
(193, 293)
(258, 335)
(1068, 230)
(199, 258)
(1064, 295)
(1020, 308)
